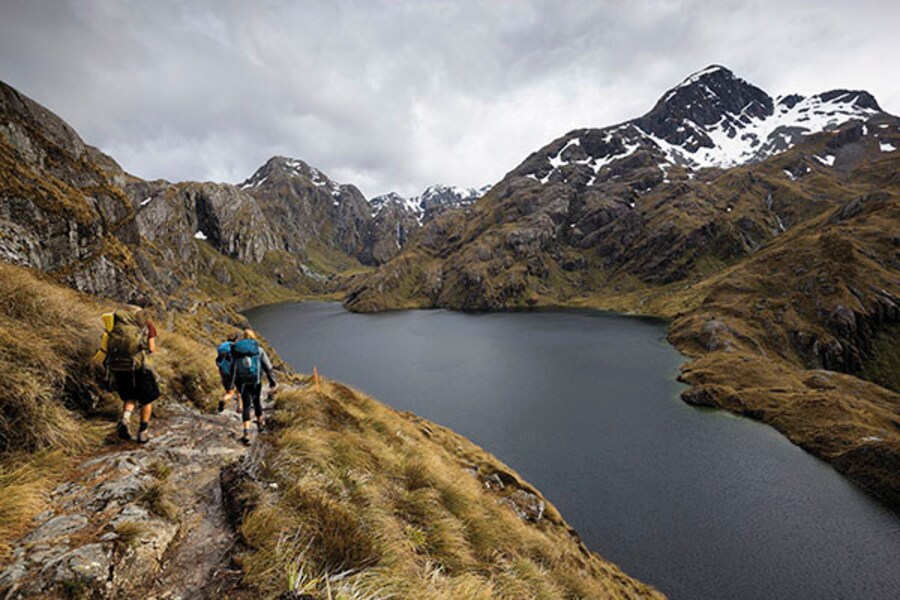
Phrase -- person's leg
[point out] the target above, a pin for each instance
(146, 412)
(122, 427)
(257, 407)
(246, 403)
(229, 392)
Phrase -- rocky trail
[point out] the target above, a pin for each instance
(137, 518)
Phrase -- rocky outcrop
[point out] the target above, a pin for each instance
(174, 215)
(134, 517)
(61, 209)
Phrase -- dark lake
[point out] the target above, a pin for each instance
(584, 405)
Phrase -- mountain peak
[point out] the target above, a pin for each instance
(280, 167)
(713, 118)
(710, 71)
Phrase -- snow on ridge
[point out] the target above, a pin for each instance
(253, 182)
(742, 138)
(695, 78)
(409, 205)
(433, 195)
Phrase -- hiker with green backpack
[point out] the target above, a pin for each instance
(128, 341)
(250, 361)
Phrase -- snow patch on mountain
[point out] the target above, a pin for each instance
(711, 119)
(434, 198)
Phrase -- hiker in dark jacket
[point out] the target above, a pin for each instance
(129, 341)
(225, 363)
(250, 361)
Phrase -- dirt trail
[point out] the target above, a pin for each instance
(134, 517)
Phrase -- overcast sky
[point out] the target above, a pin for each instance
(397, 95)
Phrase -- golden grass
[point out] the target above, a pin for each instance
(23, 491)
(129, 533)
(372, 503)
(157, 497)
(46, 341)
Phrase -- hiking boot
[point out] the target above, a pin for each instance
(260, 425)
(143, 437)
(122, 431)
(245, 439)
(221, 406)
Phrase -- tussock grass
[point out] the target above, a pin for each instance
(23, 492)
(157, 498)
(48, 386)
(46, 340)
(374, 503)
(129, 533)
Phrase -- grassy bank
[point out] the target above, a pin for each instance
(369, 502)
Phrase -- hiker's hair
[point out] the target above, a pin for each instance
(249, 334)
(233, 336)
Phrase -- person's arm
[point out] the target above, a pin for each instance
(151, 336)
(267, 367)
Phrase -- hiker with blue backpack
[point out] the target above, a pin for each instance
(250, 361)
(225, 363)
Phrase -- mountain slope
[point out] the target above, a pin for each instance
(396, 505)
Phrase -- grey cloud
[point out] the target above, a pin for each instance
(402, 94)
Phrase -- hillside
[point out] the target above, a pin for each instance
(776, 262)
(341, 493)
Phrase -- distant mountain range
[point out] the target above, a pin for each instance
(71, 210)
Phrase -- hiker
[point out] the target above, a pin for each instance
(250, 360)
(225, 363)
(128, 340)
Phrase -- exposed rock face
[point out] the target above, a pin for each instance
(396, 220)
(231, 221)
(62, 210)
(69, 210)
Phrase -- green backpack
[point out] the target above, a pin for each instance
(125, 349)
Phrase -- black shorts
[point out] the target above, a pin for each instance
(137, 386)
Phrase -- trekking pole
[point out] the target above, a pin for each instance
(316, 374)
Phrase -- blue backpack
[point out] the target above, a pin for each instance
(225, 358)
(247, 367)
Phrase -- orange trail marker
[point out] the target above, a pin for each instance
(316, 373)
